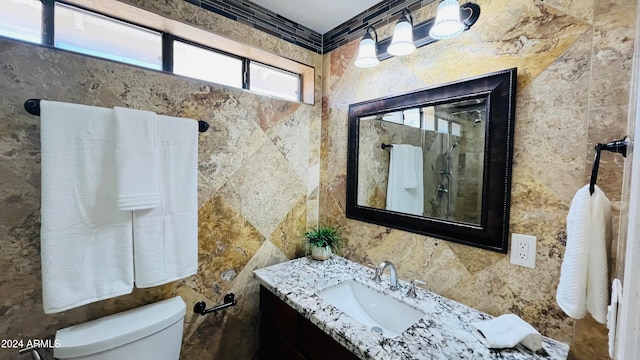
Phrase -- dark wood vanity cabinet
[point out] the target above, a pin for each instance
(285, 334)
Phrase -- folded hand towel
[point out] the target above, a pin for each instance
(506, 331)
(136, 159)
(583, 285)
(166, 237)
(86, 245)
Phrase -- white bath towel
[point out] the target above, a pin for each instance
(136, 159)
(506, 331)
(86, 245)
(584, 273)
(166, 237)
(405, 185)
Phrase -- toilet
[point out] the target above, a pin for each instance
(152, 331)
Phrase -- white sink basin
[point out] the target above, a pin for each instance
(379, 312)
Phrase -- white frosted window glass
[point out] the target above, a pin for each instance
(271, 81)
(196, 62)
(394, 117)
(456, 129)
(21, 19)
(92, 34)
(412, 118)
(429, 114)
(443, 126)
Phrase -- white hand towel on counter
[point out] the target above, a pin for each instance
(583, 285)
(136, 159)
(166, 238)
(506, 331)
(86, 245)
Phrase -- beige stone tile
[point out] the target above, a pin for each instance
(582, 9)
(524, 34)
(339, 62)
(277, 190)
(604, 8)
(613, 41)
(291, 136)
(231, 140)
(394, 76)
(289, 235)
(233, 333)
(610, 85)
(473, 259)
(605, 125)
(227, 241)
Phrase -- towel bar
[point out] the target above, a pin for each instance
(201, 307)
(33, 107)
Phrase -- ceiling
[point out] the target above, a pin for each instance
(320, 16)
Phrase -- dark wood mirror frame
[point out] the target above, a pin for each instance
(492, 233)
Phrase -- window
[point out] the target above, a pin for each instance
(272, 81)
(92, 34)
(412, 117)
(186, 51)
(197, 62)
(21, 19)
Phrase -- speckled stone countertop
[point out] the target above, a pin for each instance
(441, 334)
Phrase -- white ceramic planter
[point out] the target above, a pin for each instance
(320, 253)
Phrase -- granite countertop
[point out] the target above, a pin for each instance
(441, 334)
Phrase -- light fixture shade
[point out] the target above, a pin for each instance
(402, 41)
(447, 24)
(367, 56)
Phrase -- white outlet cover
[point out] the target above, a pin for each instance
(528, 242)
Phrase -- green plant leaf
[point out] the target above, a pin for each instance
(323, 236)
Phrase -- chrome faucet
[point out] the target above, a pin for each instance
(393, 279)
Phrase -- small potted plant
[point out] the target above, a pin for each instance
(321, 242)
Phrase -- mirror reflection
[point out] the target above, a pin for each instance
(426, 161)
(447, 173)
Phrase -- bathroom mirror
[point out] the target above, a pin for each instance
(436, 161)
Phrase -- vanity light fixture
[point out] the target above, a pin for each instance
(367, 51)
(448, 22)
(403, 42)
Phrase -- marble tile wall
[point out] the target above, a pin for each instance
(258, 181)
(574, 68)
(270, 168)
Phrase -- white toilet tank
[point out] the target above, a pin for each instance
(152, 332)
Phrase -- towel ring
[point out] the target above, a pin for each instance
(618, 146)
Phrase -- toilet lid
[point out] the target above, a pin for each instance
(118, 329)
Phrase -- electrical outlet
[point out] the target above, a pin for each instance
(523, 250)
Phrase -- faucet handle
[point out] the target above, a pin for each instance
(376, 276)
(412, 288)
